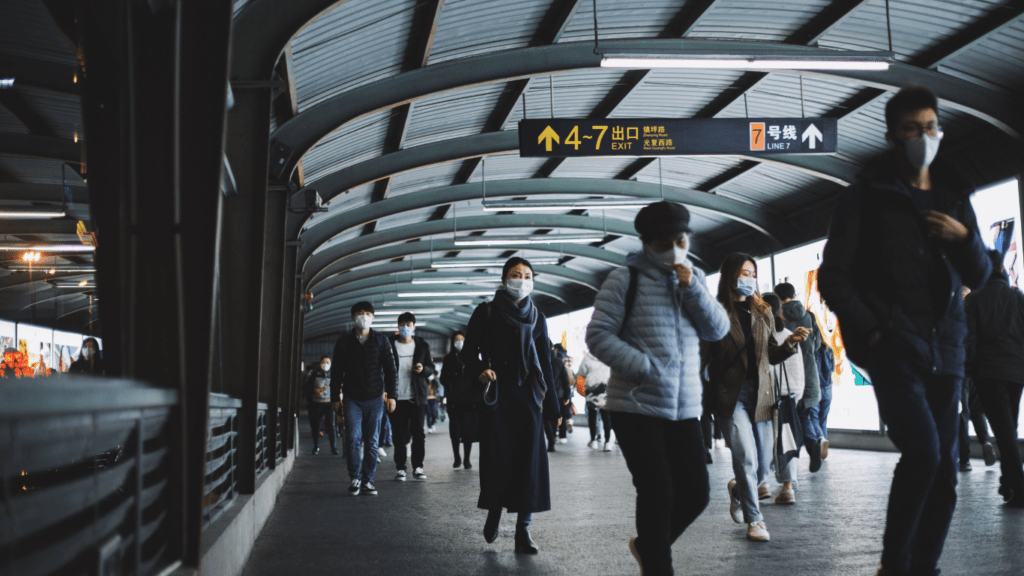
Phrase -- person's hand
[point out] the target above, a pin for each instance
(391, 406)
(684, 273)
(417, 368)
(487, 376)
(566, 403)
(321, 389)
(558, 423)
(873, 339)
(798, 335)
(944, 227)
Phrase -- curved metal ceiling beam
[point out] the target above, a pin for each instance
(372, 286)
(303, 131)
(417, 248)
(318, 314)
(401, 269)
(324, 263)
(439, 328)
(40, 147)
(262, 29)
(316, 236)
(506, 141)
(323, 324)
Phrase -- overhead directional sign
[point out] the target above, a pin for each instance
(563, 137)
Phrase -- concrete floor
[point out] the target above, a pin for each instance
(434, 527)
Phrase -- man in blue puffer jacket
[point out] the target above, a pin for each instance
(654, 393)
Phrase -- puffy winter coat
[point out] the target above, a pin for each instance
(656, 362)
(798, 317)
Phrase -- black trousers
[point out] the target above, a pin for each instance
(321, 412)
(592, 422)
(666, 459)
(971, 411)
(407, 423)
(1002, 405)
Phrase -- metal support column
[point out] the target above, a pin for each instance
(271, 334)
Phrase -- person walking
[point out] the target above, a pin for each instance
(507, 347)
(563, 387)
(432, 400)
(463, 427)
(826, 361)
(89, 361)
(363, 369)
(995, 360)
(415, 367)
(739, 370)
(902, 242)
(798, 316)
(649, 318)
(321, 412)
(595, 376)
(790, 379)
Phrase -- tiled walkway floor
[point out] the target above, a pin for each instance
(434, 527)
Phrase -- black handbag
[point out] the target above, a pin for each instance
(788, 431)
(470, 395)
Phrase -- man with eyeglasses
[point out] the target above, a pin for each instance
(903, 242)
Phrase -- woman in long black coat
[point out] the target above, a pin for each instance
(507, 342)
(463, 427)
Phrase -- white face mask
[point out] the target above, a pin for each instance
(459, 344)
(921, 151)
(746, 286)
(364, 321)
(326, 366)
(667, 258)
(519, 289)
(86, 353)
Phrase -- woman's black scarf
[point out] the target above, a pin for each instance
(523, 320)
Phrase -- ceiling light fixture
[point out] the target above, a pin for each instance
(536, 239)
(82, 284)
(411, 306)
(459, 263)
(452, 293)
(29, 214)
(549, 205)
(465, 280)
(807, 60)
(49, 247)
(54, 269)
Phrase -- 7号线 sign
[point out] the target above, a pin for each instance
(561, 137)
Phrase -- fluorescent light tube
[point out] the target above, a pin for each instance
(72, 285)
(410, 305)
(459, 263)
(33, 214)
(645, 63)
(536, 239)
(434, 294)
(45, 268)
(49, 248)
(547, 205)
(415, 311)
(466, 280)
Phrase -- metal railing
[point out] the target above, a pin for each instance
(262, 452)
(86, 482)
(281, 451)
(221, 456)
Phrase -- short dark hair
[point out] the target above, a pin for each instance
(324, 356)
(785, 291)
(407, 317)
(909, 99)
(773, 300)
(512, 263)
(997, 260)
(363, 306)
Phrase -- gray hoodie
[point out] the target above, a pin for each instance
(797, 316)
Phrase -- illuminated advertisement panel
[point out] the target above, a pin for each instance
(35, 343)
(66, 348)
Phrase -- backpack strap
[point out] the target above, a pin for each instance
(630, 297)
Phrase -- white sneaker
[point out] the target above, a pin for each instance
(354, 487)
(431, 430)
(382, 453)
(607, 447)
(418, 474)
(400, 476)
(563, 440)
(757, 532)
(735, 508)
(592, 444)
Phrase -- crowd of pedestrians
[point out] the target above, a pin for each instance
(672, 365)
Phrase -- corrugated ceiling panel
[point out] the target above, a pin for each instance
(355, 198)
(508, 167)
(917, 25)
(473, 27)
(997, 62)
(435, 176)
(675, 93)
(622, 19)
(688, 171)
(757, 20)
(776, 189)
(592, 167)
(577, 94)
(452, 114)
(356, 43)
(26, 29)
(355, 142)
(10, 123)
(404, 219)
(62, 113)
(778, 96)
(32, 170)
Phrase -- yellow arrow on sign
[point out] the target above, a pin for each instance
(547, 136)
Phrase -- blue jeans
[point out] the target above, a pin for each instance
(823, 407)
(362, 419)
(920, 410)
(751, 446)
(385, 430)
(810, 423)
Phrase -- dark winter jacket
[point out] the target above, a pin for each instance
(881, 271)
(421, 381)
(995, 331)
(798, 317)
(363, 371)
(451, 369)
(317, 379)
(826, 365)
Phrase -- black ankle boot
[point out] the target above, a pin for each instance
(491, 525)
(524, 543)
(458, 462)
